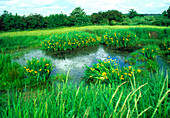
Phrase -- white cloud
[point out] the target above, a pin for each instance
(47, 7)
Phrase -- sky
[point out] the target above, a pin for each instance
(47, 7)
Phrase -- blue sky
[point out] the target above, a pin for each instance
(47, 7)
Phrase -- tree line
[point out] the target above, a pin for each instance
(78, 17)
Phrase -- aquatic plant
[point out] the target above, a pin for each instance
(70, 41)
(109, 71)
(119, 38)
(38, 70)
(150, 52)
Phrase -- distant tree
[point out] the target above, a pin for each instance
(166, 13)
(106, 17)
(132, 13)
(79, 16)
(56, 20)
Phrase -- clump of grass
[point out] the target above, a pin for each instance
(70, 41)
(38, 70)
(150, 52)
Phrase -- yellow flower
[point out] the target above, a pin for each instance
(48, 71)
(25, 67)
(46, 64)
(125, 73)
(121, 78)
(92, 69)
(129, 67)
(139, 70)
(143, 49)
(27, 70)
(40, 69)
(104, 73)
(35, 71)
(168, 48)
(115, 34)
(130, 74)
(152, 50)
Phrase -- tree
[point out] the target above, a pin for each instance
(132, 13)
(166, 13)
(80, 16)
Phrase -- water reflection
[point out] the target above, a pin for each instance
(74, 60)
(77, 59)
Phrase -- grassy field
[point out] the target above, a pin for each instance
(49, 32)
(106, 91)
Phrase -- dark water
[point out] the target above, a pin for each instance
(77, 59)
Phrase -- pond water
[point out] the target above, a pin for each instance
(74, 60)
(77, 59)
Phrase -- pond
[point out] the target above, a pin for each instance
(77, 59)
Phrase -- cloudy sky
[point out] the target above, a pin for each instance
(47, 7)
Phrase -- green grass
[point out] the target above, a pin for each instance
(133, 98)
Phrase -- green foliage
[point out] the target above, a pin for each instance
(165, 44)
(161, 21)
(135, 98)
(151, 65)
(132, 13)
(108, 71)
(166, 13)
(70, 41)
(150, 52)
(11, 73)
(119, 38)
(79, 16)
(16, 43)
(38, 70)
(105, 17)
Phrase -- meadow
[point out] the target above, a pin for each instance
(140, 89)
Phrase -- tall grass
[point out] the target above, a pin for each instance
(133, 98)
